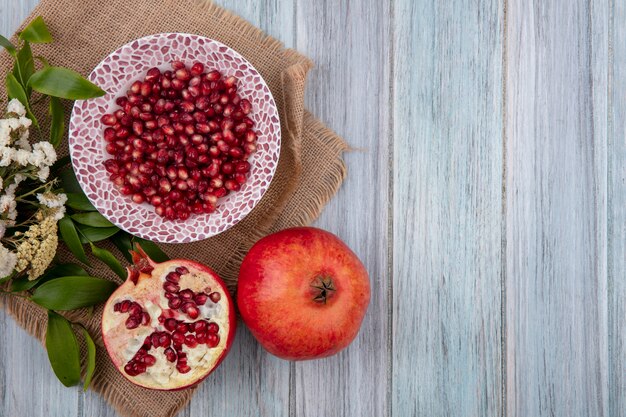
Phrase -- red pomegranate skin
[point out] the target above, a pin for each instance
(279, 281)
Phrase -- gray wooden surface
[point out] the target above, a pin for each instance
(486, 195)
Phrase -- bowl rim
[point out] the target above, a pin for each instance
(246, 210)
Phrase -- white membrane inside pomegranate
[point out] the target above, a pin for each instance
(169, 325)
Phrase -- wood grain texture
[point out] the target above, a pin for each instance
(556, 182)
(447, 130)
(617, 211)
(349, 91)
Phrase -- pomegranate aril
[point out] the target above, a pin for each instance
(164, 339)
(200, 298)
(182, 328)
(200, 326)
(201, 338)
(181, 185)
(191, 310)
(183, 368)
(133, 322)
(148, 360)
(175, 302)
(240, 177)
(173, 277)
(182, 270)
(212, 340)
(109, 120)
(145, 319)
(170, 324)
(232, 185)
(186, 294)
(178, 338)
(197, 68)
(215, 297)
(190, 341)
(171, 287)
(170, 355)
(246, 106)
(213, 328)
(242, 166)
(236, 152)
(213, 75)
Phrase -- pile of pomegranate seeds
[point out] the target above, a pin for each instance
(177, 332)
(185, 301)
(136, 314)
(180, 140)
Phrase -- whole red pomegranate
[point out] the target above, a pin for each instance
(303, 293)
(170, 324)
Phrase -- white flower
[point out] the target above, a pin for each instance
(6, 156)
(37, 158)
(23, 141)
(15, 106)
(25, 122)
(43, 173)
(23, 157)
(5, 202)
(59, 212)
(3, 229)
(5, 135)
(50, 155)
(8, 260)
(52, 200)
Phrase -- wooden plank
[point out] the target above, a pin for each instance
(348, 89)
(556, 179)
(447, 225)
(12, 13)
(28, 387)
(617, 212)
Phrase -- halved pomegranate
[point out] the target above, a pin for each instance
(170, 324)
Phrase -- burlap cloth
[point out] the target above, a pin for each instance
(309, 172)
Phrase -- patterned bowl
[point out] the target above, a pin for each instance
(115, 75)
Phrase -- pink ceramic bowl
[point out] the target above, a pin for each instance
(115, 75)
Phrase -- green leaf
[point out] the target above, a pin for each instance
(70, 293)
(36, 32)
(93, 219)
(79, 201)
(15, 90)
(64, 270)
(43, 61)
(62, 349)
(6, 44)
(108, 258)
(124, 244)
(69, 181)
(61, 163)
(24, 66)
(152, 250)
(60, 270)
(71, 239)
(91, 359)
(95, 234)
(23, 284)
(64, 83)
(57, 121)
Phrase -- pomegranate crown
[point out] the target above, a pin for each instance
(141, 263)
